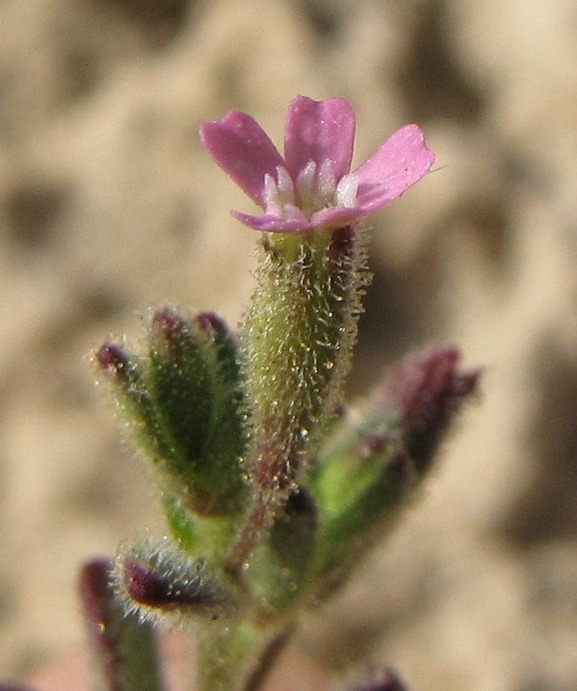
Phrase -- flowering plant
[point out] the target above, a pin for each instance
(273, 491)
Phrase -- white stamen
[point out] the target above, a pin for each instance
(346, 191)
(278, 193)
(271, 195)
(286, 186)
(326, 182)
(305, 185)
(315, 190)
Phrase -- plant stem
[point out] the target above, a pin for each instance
(223, 648)
(233, 657)
(268, 657)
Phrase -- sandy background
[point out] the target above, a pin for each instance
(108, 205)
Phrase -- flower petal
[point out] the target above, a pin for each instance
(239, 145)
(397, 165)
(319, 131)
(274, 224)
(336, 217)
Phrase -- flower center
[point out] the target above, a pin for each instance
(315, 189)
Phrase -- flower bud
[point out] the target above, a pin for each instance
(184, 404)
(425, 392)
(180, 386)
(378, 455)
(196, 392)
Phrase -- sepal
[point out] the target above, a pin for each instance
(127, 374)
(351, 528)
(162, 584)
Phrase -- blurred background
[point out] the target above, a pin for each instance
(108, 206)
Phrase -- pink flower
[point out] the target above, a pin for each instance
(312, 186)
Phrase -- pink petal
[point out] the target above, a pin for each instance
(273, 224)
(319, 131)
(336, 217)
(399, 163)
(239, 145)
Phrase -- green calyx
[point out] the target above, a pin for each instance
(297, 343)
